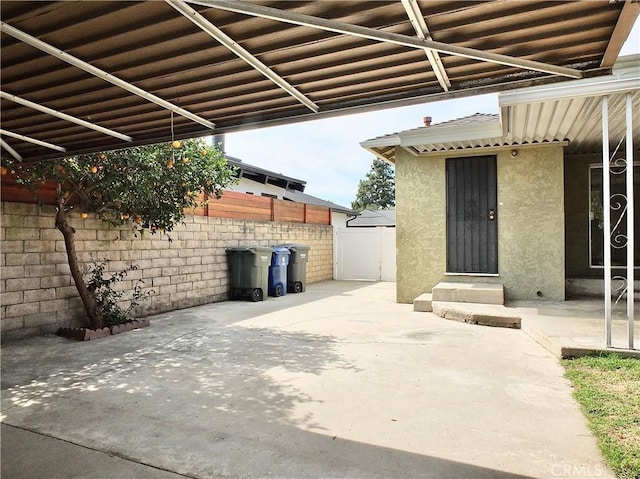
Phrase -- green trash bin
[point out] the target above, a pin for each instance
(297, 268)
(249, 272)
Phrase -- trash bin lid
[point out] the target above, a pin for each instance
(294, 246)
(250, 249)
(281, 250)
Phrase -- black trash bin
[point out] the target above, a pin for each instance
(278, 271)
(249, 272)
(297, 269)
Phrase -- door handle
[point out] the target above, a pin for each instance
(492, 215)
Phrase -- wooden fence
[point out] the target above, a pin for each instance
(231, 205)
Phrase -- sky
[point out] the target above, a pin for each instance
(327, 153)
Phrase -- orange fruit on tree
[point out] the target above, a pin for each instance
(3, 170)
(176, 144)
(84, 215)
(169, 164)
(204, 152)
(102, 156)
(93, 169)
(185, 159)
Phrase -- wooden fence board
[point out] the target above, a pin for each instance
(232, 204)
(318, 215)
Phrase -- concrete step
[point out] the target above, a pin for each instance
(479, 293)
(475, 313)
(423, 303)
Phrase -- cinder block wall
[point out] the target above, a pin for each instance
(38, 294)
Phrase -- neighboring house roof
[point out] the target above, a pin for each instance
(299, 197)
(370, 218)
(292, 188)
(567, 113)
(260, 175)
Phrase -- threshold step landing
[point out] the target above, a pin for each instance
(480, 293)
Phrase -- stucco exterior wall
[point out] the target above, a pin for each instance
(420, 224)
(37, 291)
(531, 223)
(530, 229)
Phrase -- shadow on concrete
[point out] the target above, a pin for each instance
(202, 398)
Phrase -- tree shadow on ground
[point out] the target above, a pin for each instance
(200, 400)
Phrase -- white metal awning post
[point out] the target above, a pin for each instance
(630, 219)
(628, 288)
(606, 213)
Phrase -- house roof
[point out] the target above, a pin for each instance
(369, 218)
(300, 197)
(565, 113)
(263, 176)
(293, 189)
(84, 76)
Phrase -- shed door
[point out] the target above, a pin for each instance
(472, 222)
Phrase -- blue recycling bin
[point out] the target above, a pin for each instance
(278, 271)
(297, 270)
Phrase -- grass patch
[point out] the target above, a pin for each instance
(608, 390)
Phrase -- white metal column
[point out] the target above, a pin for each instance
(630, 220)
(606, 213)
(629, 211)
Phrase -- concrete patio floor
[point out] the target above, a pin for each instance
(339, 381)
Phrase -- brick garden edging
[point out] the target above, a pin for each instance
(86, 334)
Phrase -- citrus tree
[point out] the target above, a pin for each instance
(147, 187)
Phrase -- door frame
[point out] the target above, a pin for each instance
(472, 240)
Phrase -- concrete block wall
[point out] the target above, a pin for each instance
(37, 292)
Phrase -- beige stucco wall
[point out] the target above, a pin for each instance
(420, 224)
(530, 228)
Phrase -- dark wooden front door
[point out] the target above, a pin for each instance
(472, 215)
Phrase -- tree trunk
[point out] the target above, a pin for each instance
(94, 315)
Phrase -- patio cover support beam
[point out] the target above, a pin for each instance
(606, 220)
(106, 76)
(382, 36)
(630, 219)
(587, 87)
(627, 18)
(11, 151)
(31, 140)
(63, 116)
(420, 26)
(206, 26)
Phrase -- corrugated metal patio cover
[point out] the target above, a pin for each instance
(89, 76)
